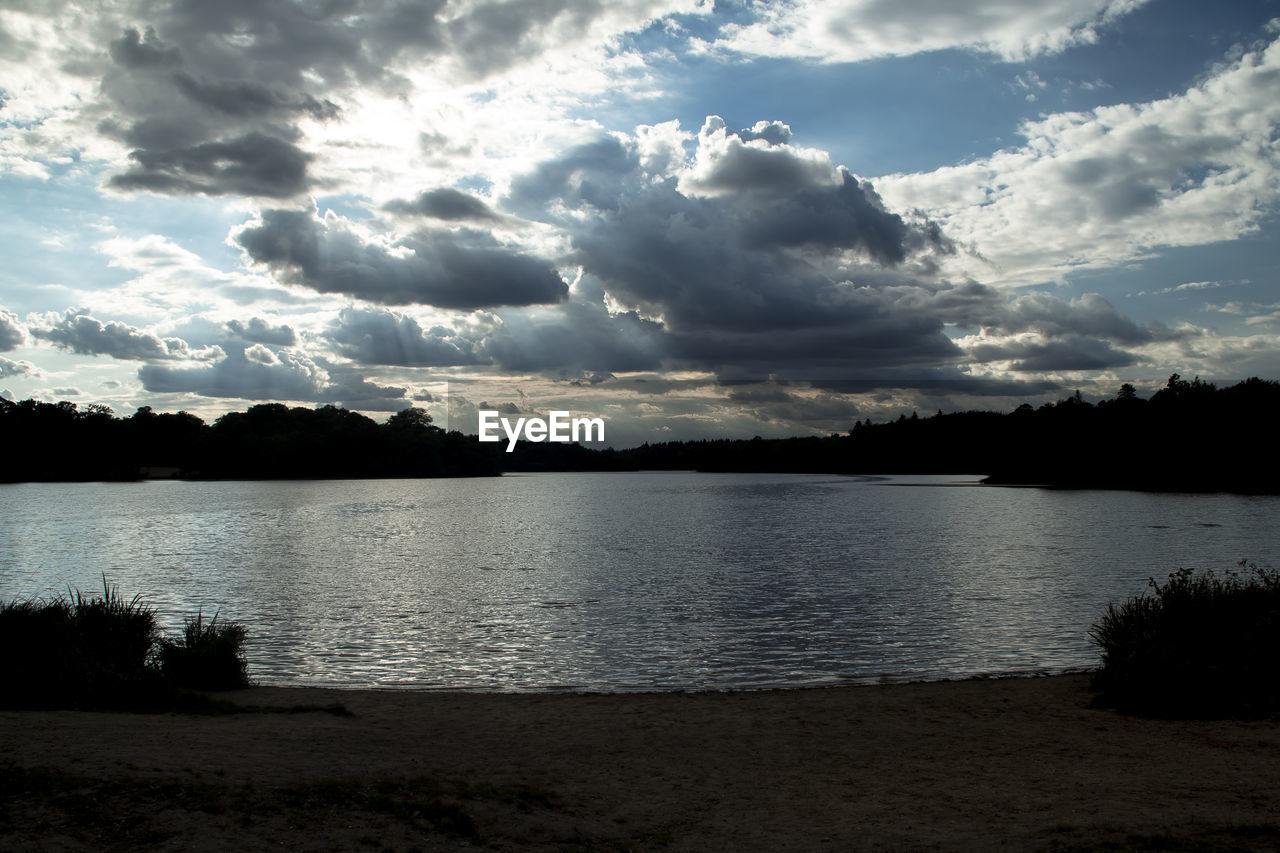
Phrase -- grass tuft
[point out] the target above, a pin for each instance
(78, 651)
(207, 656)
(1199, 645)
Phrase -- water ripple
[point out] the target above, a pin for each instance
(628, 581)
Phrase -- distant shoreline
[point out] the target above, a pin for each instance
(1121, 443)
(1199, 487)
(1025, 763)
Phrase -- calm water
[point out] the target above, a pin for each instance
(627, 581)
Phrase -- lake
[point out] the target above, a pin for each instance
(631, 581)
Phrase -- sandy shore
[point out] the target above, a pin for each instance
(1002, 764)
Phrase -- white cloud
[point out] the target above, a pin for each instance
(9, 367)
(1103, 187)
(756, 159)
(858, 30)
(78, 332)
(13, 333)
(260, 354)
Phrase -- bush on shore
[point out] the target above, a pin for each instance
(1197, 645)
(107, 652)
(206, 656)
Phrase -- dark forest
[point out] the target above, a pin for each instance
(1189, 435)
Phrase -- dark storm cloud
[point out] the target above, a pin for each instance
(592, 174)
(229, 80)
(259, 331)
(12, 332)
(207, 98)
(134, 50)
(1089, 315)
(577, 338)
(1072, 353)
(246, 99)
(945, 381)
(573, 339)
(771, 402)
(1086, 333)
(848, 216)
(282, 43)
(444, 203)
(804, 267)
(702, 265)
(348, 387)
(247, 374)
(372, 336)
(255, 164)
(436, 269)
(80, 333)
(859, 340)
(744, 276)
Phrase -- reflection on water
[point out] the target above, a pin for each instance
(628, 581)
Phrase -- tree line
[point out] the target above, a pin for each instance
(1190, 435)
(58, 441)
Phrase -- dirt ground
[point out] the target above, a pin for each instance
(1015, 764)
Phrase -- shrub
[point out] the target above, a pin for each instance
(77, 651)
(107, 652)
(207, 656)
(1197, 645)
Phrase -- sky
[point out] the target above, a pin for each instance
(691, 218)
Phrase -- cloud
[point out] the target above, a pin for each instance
(575, 339)
(1098, 188)
(947, 382)
(234, 99)
(1048, 315)
(590, 174)
(1040, 332)
(770, 402)
(8, 368)
(260, 331)
(805, 267)
(447, 270)
(376, 336)
(859, 30)
(758, 159)
(738, 253)
(1189, 285)
(257, 373)
(1031, 354)
(134, 50)
(259, 354)
(80, 333)
(255, 164)
(489, 37)
(13, 333)
(788, 270)
(203, 117)
(246, 99)
(444, 203)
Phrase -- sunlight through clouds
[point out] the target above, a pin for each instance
(276, 202)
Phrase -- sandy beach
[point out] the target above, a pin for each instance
(1020, 764)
